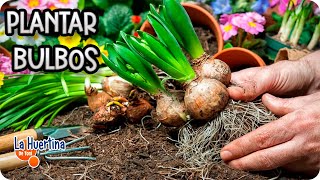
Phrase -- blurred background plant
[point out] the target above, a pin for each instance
(297, 24)
(235, 6)
(241, 30)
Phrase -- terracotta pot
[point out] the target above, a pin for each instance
(5, 52)
(239, 58)
(199, 17)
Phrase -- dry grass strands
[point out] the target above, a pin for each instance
(201, 146)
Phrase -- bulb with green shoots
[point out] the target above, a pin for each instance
(132, 67)
(205, 82)
(173, 17)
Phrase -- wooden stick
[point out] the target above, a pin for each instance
(7, 141)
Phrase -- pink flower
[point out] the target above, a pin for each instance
(228, 30)
(257, 17)
(283, 4)
(227, 18)
(253, 27)
(29, 5)
(238, 20)
(6, 66)
(70, 4)
(248, 24)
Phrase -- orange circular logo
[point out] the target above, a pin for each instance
(34, 161)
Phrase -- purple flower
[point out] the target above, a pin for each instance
(221, 7)
(260, 6)
(6, 66)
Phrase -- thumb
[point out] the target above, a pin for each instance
(283, 106)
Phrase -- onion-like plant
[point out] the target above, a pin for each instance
(294, 21)
(131, 66)
(33, 99)
(205, 93)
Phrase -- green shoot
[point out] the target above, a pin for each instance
(158, 54)
(315, 37)
(168, 40)
(32, 99)
(174, 17)
(305, 13)
(133, 68)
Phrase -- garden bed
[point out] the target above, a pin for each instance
(129, 152)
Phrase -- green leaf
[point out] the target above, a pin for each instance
(305, 37)
(51, 41)
(116, 19)
(276, 17)
(64, 85)
(101, 40)
(227, 46)
(81, 4)
(183, 26)
(135, 79)
(104, 4)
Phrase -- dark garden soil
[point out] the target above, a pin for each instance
(207, 39)
(127, 152)
(142, 151)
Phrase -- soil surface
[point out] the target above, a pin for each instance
(125, 152)
(142, 151)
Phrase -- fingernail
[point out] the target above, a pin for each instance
(226, 155)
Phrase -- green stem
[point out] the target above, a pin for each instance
(315, 38)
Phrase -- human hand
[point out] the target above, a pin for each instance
(286, 78)
(291, 142)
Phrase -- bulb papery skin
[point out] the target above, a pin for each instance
(137, 110)
(116, 86)
(215, 69)
(107, 116)
(96, 99)
(204, 98)
(171, 110)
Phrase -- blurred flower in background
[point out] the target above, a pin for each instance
(1, 78)
(136, 19)
(229, 30)
(29, 5)
(260, 6)
(20, 40)
(250, 22)
(102, 49)
(283, 4)
(66, 4)
(221, 7)
(6, 67)
(3, 36)
(70, 41)
(37, 39)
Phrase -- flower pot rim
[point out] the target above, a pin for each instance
(218, 34)
(258, 59)
(219, 40)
